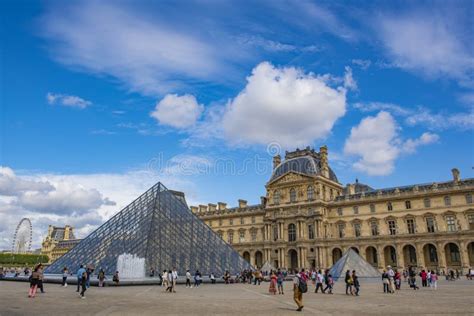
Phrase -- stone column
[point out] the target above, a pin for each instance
(420, 256)
(464, 257)
(441, 256)
(398, 249)
(380, 257)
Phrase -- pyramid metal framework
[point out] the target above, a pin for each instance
(352, 261)
(159, 227)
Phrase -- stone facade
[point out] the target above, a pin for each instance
(58, 241)
(308, 219)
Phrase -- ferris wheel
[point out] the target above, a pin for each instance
(23, 237)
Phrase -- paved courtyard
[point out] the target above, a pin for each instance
(451, 298)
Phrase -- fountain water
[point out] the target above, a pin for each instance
(130, 266)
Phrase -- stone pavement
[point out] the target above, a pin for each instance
(451, 298)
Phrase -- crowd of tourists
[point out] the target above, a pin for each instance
(322, 280)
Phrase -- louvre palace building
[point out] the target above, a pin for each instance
(309, 219)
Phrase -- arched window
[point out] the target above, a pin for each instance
(292, 195)
(310, 193)
(276, 197)
(291, 232)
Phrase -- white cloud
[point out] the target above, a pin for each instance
(143, 52)
(11, 185)
(67, 100)
(177, 111)
(410, 145)
(422, 116)
(429, 43)
(364, 64)
(84, 200)
(377, 144)
(283, 105)
(349, 82)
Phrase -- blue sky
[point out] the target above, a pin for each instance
(102, 99)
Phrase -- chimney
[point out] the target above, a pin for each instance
(211, 207)
(276, 161)
(323, 153)
(242, 204)
(194, 209)
(221, 206)
(456, 174)
(350, 189)
(202, 208)
(263, 201)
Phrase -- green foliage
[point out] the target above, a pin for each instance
(22, 259)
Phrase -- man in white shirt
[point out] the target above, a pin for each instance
(391, 276)
(188, 279)
(175, 278)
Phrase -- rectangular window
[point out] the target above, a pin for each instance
(411, 225)
(275, 232)
(254, 235)
(372, 208)
(356, 210)
(447, 201)
(230, 237)
(242, 236)
(469, 198)
(427, 202)
(408, 205)
(220, 221)
(430, 225)
(392, 228)
(253, 219)
(210, 223)
(451, 223)
(242, 221)
(231, 221)
(339, 211)
(310, 231)
(357, 229)
(341, 230)
(220, 234)
(374, 228)
(389, 206)
(470, 219)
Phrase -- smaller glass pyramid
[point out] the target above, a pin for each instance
(352, 261)
(159, 228)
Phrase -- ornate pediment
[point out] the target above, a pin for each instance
(290, 177)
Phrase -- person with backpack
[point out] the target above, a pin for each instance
(349, 282)
(299, 287)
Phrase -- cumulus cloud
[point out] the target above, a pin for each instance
(429, 43)
(422, 116)
(177, 111)
(67, 100)
(377, 144)
(11, 185)
(284, 105)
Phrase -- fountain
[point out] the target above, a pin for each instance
(130, 266)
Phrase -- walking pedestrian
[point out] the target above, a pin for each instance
(349, 282)
(434, 280)
(34, 280)
(299, 287)
(273, 283)
(355, 280)
(391, 279)
(65, 274)
(170, 281)
(423, 276)
(197, 278)
(188, 279)
(83, 284)
(79, 276)
(175, 279)
(385, 282)
(319, 282)
(41, 277)
(213, 278)
(280, 279)
(164, 278)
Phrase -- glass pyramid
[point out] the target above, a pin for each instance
(159, 227)
(352, 261)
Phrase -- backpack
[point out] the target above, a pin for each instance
(302, 286)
